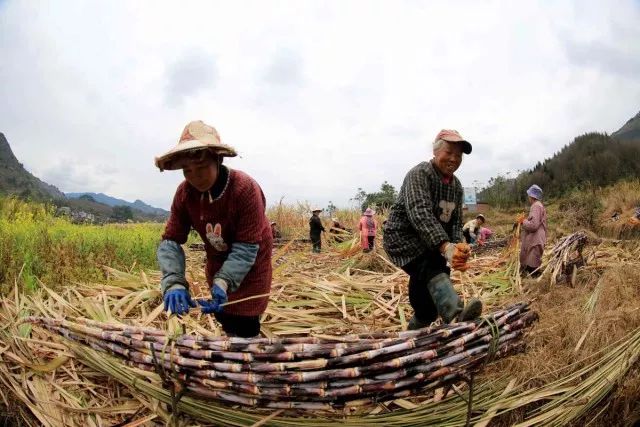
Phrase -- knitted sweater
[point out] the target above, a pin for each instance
(240, 212)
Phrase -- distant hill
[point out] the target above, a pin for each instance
(15, 179)
(590, 159)
(630, 131)
(112, 201)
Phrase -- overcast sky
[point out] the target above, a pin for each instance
(319, 98)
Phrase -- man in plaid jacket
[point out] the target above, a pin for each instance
(424, 231)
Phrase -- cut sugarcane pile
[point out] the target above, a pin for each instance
(566, 253)
(491, 245)
(61, 382)
(315, 373)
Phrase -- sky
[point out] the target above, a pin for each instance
(319, 98)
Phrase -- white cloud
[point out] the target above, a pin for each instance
(319, 98)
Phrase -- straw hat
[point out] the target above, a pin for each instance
(316, 209)
(196, 136)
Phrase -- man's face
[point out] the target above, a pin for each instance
(448, 158)
(202, 174)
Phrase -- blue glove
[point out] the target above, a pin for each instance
(219, 297)
(178, 301)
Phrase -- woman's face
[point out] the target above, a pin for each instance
(448, 158)
(201, 174)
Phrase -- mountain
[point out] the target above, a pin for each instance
(112, 201)
(15, 179)
(630, 131)
(592, 159)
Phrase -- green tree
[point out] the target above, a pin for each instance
(380, 199)
(360, 196)
(122, 213)
(591, 159)
(331, 208)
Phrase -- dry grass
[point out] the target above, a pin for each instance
(339, 291)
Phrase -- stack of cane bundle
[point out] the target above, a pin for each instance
(566, 253)
(312, 373)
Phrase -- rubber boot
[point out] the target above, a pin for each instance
(471, 311)
(416, 323)
(445, 297)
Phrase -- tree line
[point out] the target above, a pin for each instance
(592, 159)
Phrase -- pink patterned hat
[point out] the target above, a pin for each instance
(196, 136)
(450, 135)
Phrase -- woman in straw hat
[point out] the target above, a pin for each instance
(227, 208)
(368, 227)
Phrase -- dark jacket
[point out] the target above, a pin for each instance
(315, 226)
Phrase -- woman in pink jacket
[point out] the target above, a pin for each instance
(534, 234)
(368, 227)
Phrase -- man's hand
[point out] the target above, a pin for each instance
(218, 295)
(456, 254)
(460, 256)
(447, 249)
(178, 301)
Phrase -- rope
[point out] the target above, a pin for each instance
(495, 340)
(170, 381)
(491, 323)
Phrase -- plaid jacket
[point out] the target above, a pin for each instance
(427, 213)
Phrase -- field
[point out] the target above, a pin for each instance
(580, 364)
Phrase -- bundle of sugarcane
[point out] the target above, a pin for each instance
(565, 255)
(491, 245)
(313, 373)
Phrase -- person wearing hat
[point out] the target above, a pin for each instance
(368, 227)
(471, 230)
(424, 232)
(226, 207)
(315, 229)
(635, 219)
(338, 231)
(534, 233)
(275, 233)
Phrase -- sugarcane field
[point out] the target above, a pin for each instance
(334, 346)
(282, 213)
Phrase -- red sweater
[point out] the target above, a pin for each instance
(240, 211)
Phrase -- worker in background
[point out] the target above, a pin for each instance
(368, 227)
(471, 229)
(338, 231)
(315, 230)
(275, 233)
(484, 235)
(534, 233)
